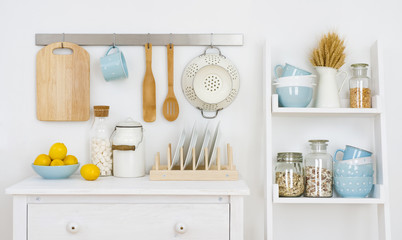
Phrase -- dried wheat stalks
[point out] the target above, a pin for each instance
(330, 52)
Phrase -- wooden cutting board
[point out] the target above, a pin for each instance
(62, 84)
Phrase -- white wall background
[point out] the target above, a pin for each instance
(292, 26)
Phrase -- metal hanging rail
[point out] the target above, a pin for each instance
(42, 39)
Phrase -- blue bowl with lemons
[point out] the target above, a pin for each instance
(55, 172)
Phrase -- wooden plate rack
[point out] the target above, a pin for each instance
(216, 172)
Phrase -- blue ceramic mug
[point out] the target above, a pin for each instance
(351, 152)
(289, 70)
(114, 65)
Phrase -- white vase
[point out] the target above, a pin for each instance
(327, 90)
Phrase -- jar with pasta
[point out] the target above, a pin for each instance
(359, 87)
(289, 174)
(318, 170)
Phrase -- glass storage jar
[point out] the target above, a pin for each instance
(101, 149)
(318, 170)
(289, 174)
(359, 87)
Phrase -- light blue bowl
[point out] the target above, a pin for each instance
(55, 172)
(294, 96)
(353, 170)
(353, 187)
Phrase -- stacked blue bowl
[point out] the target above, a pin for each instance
(295, 91)
(353, 178)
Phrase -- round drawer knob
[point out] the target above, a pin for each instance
(72, 227)
(181, 228)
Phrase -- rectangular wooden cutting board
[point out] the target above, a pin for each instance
(62, 84)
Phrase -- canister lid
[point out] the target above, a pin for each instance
(359, 65)
(101, 111)
(129, 123)
(290, 157)
(322, 141)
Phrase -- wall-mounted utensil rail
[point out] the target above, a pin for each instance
(42, 39)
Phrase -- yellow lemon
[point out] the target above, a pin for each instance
(58, 151)
(70, 160)
(42, 160)
(57, 162)
(90, 172)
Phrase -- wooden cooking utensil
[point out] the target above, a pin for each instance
(148, 88)
(170, 106)
(62, 84)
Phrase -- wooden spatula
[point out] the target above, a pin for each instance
(170, 106)
(148, 88)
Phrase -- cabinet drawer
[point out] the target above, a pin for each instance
(128, 221)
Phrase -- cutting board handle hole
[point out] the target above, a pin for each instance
(63, 51)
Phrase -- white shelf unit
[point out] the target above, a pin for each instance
(332, 121)
(376, 196)
(345, 112)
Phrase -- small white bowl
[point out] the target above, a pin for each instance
(301, 81)
(356, 161)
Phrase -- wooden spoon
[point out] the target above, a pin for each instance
(148, 88)
(170, 106)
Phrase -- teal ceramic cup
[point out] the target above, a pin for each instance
(351, 152)
(114, 65)
(288, 70)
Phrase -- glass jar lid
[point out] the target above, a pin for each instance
(101, 111)
(290, 157)
(322, 141)
(359, 65)
(129, 123)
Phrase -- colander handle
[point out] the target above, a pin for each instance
(212, 117)
(212, 47)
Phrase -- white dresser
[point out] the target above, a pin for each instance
(127, 208)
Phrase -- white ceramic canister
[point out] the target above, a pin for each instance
(128, 149)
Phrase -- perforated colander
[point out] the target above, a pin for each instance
(210, 82)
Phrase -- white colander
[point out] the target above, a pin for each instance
(210, 82)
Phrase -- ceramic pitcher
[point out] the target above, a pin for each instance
(327, 91)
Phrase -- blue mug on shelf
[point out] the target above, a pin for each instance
(114, 65)
(351, 152)
(289, 70)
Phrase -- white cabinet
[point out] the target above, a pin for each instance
(120, 221)
(289, 129)
(121, 208)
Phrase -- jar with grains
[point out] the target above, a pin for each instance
(289, 174)
(318, 170)
(359, 87)
(100, 147)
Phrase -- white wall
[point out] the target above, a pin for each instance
(292, 26)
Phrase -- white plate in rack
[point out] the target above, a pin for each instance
(193, 142)
(180, 144)
(205, 143)
(215, 144)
